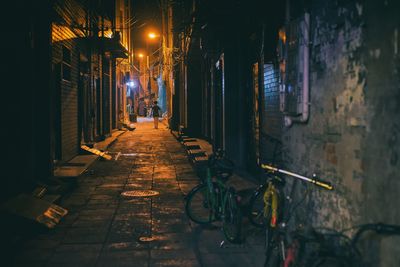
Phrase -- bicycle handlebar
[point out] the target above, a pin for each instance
(314, 180)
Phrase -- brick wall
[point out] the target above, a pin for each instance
(270, 113)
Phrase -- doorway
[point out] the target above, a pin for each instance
(219, 96)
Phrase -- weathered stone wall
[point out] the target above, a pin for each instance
(381, 146)
(352, 137)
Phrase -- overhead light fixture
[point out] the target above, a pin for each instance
(131, 84)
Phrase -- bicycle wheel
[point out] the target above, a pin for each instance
(199, 204)
(331, 262)
(256, 208)
(232, 223)
(273, 256)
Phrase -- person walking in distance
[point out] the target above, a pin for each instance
(156, 113)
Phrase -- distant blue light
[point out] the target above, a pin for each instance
(131, 84)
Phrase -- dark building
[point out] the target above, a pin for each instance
(311, 85)
(224, 46)
(319, 76)
(61, 65)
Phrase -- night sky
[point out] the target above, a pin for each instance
(147, 13)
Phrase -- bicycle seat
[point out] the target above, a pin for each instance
(224, 163)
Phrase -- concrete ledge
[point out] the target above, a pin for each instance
(192, 146)
(103, 145)
(201, 159)
(35, 209)
(196, 152)
(75, 166)
(175, 134)
(187, 140)
(80, 163)
(182, 137)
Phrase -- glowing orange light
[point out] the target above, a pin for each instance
(152, 35)
(282, 35)
(141, 55)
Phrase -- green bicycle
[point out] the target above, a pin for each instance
(213, 201)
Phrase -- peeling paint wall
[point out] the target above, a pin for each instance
(381, 147)
(352, 137)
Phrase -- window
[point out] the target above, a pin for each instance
(295, 67)
(66, 64)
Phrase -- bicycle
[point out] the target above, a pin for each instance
(273, 216)
(212, 200)
(220, 165)
(331, 248)
(255, 212)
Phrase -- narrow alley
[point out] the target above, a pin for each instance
(278, 142)
(105, 228)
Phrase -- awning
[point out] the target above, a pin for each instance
(111, 45)
(115, 47)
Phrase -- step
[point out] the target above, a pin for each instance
(35, 209)
(76, 166)
(201, 160)
(189, 140)
(191, 145)
(39, 191)
(51, 198)
(53, 185)
(196, 153)
(182, 137)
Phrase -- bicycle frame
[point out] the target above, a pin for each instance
(217, 205)
(213, 200)
(271, 193)
(271, 201)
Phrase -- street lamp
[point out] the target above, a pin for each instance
(150, 36)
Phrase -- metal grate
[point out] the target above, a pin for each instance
(140, 193)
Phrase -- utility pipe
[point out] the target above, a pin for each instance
(289, 120)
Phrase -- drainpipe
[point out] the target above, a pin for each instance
(289, 120)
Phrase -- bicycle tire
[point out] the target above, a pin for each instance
(198, 205)
(331, 262)
(256, 208)
(273, 257)
(232, 220)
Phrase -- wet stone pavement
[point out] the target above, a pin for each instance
(105, 228)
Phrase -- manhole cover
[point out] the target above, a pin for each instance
(140, 193)
(146, 238)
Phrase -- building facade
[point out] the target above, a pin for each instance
(90, 87)
(75, 59)
(318, 78)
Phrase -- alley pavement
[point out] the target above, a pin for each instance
(106, 228)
